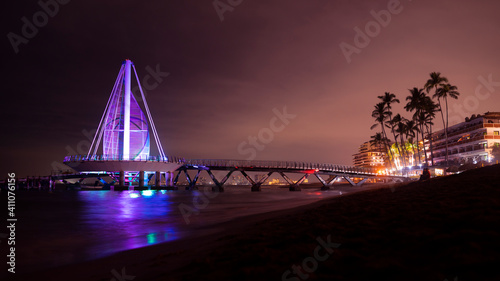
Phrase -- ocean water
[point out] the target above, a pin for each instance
(63, 227)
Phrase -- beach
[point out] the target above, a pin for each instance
(444, 228)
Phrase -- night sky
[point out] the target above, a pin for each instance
(226, 76)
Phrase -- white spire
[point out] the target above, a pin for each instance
(126, 112)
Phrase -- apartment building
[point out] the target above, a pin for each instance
(468, 142)
(368, 156)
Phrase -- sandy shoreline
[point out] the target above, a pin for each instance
(423, 231)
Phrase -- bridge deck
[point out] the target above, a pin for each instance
(349, 173)
(292, 166)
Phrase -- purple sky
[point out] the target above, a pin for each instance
(226, 77)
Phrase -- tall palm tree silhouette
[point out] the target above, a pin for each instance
(388, 99)
(436, 81)
(415, 103)
(380, 114)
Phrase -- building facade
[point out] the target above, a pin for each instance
(471, 141)
(368, 156)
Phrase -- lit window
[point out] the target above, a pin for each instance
(496, 133)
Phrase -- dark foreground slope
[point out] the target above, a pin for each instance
(446, 228)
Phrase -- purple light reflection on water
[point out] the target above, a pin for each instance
(127, 220)
(66, 227)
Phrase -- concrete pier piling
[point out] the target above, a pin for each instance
(141, 179)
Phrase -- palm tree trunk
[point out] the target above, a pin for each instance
(385, 143)
(446, 130)
(401, 153)
(413, 151)
(418, 150)
(445, 133)
(381, 156)
(395, 139)
(403, 147)
(429, 131)
(401, 159)
(397, 146)
(423, 140)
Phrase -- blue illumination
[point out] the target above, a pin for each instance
(151, 238)
(147, 193)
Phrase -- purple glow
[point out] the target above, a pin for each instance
(114, 126)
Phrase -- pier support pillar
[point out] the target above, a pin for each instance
(217, 188)
(256, 187)
(121, 181)
(171, 179)
(353, 183)
(158, 179)
(295, 187)
(192, 183)
(327, 184)
(167, 178)
(141, 178)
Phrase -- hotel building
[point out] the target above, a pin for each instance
(468, 142)
(368, 156)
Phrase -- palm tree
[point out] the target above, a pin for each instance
(445, 91)
(410, 132)
(388, 99)
(378, 140)
(425, 111)
(422, 119)
(415, 99)
(380, 114)
(434, 82)
(395, 125)
(415, 103)
(429, 109)
(400, 129)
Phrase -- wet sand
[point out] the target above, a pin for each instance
(435, 230)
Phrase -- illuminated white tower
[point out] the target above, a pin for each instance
(126, 113)
(124, 128)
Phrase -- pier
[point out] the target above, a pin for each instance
(121, 151)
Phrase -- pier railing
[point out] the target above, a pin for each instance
(169, 159)
(288, 165)
(247, 164)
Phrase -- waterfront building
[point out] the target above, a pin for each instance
(369, 156)
(471, 141)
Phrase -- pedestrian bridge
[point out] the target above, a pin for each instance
(124, 133)
(356, 176)
(325, 173)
